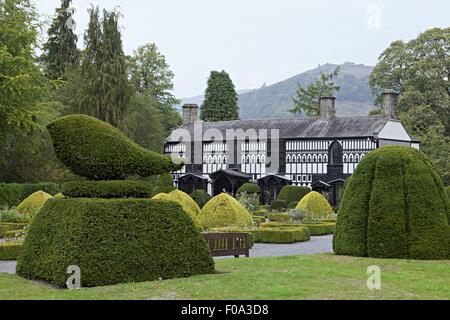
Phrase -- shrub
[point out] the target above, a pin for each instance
(258, 220)
(201, 197)
(15, 234)
(448, 191)
(113, 241)
(164, 184)
(281, 236)
(59, 196)
(264, 207)
(315, 206)
(319, 229)
(224, 211)
(394, 206)
(96, 150)
(297, 214)
(292, 194)
(31, 205)
(250, 201)
(12, 216)
(107, 189)
(5, 227)
(10, 250)
(292, 205)
(189, 206)
(259, 213)
(282, 217)
(278, 205)
(249, 188)
(12, 194)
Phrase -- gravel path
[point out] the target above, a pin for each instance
(317, 245)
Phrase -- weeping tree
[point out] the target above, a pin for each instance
(60, 51)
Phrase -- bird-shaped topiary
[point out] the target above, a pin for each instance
(96, 150)
(394, 206)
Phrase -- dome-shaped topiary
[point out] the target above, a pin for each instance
(292, 194)
(201, 197)
(96, 150)
(185, 201)
(224, 211)
(315, 206)
(249, 188)
(34, 203)
(394, 206)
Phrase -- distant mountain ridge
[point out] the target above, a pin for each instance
(274, 101)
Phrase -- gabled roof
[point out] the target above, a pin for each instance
(312, 127)
(233, 173)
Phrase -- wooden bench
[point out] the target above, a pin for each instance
(228, 244)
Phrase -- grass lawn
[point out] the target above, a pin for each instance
(300, 277)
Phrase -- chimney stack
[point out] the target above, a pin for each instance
(327, 107)
(190, 114)
(389, 103)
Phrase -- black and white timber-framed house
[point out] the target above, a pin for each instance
(318, 152)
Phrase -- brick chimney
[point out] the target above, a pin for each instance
(327, 107)
(190, 114)
(389, 103)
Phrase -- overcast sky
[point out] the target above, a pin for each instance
(263, 41)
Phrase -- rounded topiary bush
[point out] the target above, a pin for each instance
(315, 206)
(279, 205)
(201, 197)
(96, 150)
(107, 189)
(32, 204)
(249, 188)
(113, 241)
(224, 211)
(292, 194)
(185, 201)
(394, 206)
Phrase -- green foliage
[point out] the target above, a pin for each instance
(12, 194)
(5, 227)
(394, 206)
(107, 189)
(224, 211)
(60, 51)
(10, 250)
(32, 204)
(448, 191)
(282, 217)
(307, 100)
(281, 236)
(96, 150)
(250, 201)
(375, 112)
(419, 70)
(12, 216)
(258, 220)
(201, 197)
(318, 229)
(164, 184)
(221, 100)
(259, 213)
(292, 194)
(249, 188)
(113, 241)
(315, 206)
(279, 205)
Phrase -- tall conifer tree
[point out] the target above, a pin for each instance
(60, 50)
(221, 100)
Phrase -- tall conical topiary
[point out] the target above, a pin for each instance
(394, 206)
(96, 150)
(221, 100)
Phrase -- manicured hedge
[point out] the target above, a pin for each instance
(279, 205)
(316, 206)
(201, 197)
(224, 211)
(281, 217)
(317, 229)
(249, 188)
(447, 189)
(5, 227)
(96, 150)
(394, 206)
(12, 194)
(31, 205)
(113, 241)
(10, 250)
(107, 189)
(164, 184)
(281, 236)
(14, 234)
(258, 220)
(259, 213)
(292, 194)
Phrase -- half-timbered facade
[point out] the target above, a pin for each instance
(318, 152)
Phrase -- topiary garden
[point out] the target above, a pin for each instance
(394, 206)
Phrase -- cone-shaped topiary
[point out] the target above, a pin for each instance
(185, 201)
(292, 194)
(201, 197)
(224, 211)
(96, 150)
(34, 203)
(394, 206)
(315, 206)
